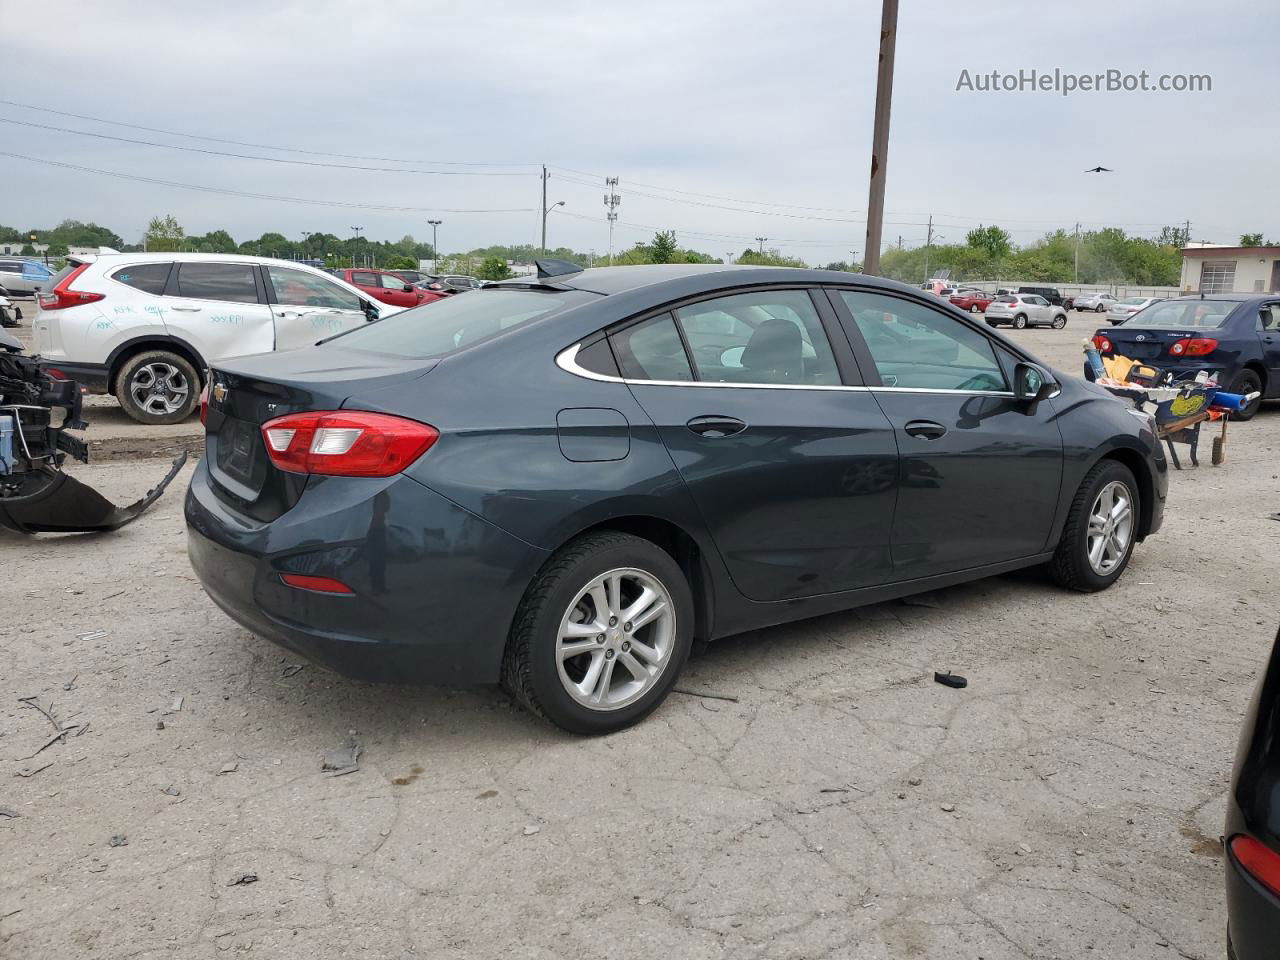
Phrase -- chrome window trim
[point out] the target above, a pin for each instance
(566, 360)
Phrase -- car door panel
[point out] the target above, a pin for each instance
(1268, 331)
(982, 489)
(193, 310)
(308, 307)
(796, 482)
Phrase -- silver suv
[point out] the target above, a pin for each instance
(24, 277)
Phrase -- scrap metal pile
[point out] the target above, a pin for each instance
(35, 495)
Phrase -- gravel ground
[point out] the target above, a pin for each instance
(1067, 804)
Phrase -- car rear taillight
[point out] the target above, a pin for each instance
(1102, 344)
(204, 405)
(62, 296)
(1260, 862)
(340, 443)
(1193, 347)
(316, 584)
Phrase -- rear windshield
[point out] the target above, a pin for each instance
(1006, 299)
(1132, 301)
(443, 327)
(1183, 313)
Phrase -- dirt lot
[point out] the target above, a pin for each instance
(1067, 804)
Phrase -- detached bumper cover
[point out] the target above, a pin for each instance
(63, 504)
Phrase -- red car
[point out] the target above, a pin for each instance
(973, 301)
(388, 288)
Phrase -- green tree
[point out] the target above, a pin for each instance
(493, 268)
(770, 258)
(164, 234)
(215, 241)
(1250, 239)
(399, 262)
(995, 242)
(664, 248)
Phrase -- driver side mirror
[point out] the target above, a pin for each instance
(408, 288)
(1033, 383)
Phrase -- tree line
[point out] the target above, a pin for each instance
(1107, 255)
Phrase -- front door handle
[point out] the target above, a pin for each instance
(925, 429)
(714, 426)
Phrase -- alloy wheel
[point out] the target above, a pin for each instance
(1110, 527)
(622, 618)
(159, 388)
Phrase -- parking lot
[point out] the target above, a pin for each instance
(830, 799)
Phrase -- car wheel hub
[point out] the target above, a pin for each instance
(159, 388)
(1110, 528)
(616, 639)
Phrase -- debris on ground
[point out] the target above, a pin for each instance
(242, 879)
(71, 684)
(706, 694)
(952, 680)
(948, 808)
(336, 763)
(915, 781)
(159, 724)
(292, 670)
(119, 840)
(176, 705)
(9, 812)
(171, 791)
(31, 771)
(93, 635)
(229, 767)
(530, 830)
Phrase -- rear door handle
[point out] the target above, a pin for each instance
(187, 309)
(925, 429)
(714, 426)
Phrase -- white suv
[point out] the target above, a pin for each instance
(145, 326)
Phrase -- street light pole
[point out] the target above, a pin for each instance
(356, 247)
(546, 210)
(880, 136)
(762, 240)
(435, 251)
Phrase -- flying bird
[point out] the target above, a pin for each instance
(1100, 170)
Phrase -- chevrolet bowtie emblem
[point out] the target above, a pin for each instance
(220, 392)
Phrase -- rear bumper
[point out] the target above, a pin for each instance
(435, 587)
(1253, 915)
(92, 377)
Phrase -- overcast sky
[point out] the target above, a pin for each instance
(767, 105)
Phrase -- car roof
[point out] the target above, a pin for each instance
(617, 280)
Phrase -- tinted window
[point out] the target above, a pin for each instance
(598, 358)
(1182, 313)
(650, 350)
(765, 337)
(302, 289)
(364, 279)
(217, 281)
(445, 326)
(147, 277)
(914, 346)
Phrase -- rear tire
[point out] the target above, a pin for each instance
(1020, 321)
(560, 610)
(1246, 381)
(1072, 566)
(158, 387)
(1100, 308)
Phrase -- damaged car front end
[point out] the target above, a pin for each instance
(35, 495)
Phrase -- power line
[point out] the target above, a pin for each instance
(393, 208)
(250, 156)
(262, 146)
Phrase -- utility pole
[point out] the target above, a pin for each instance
(356, 247)
(928, 242)
(762, 240)
(1186, 235)
(880, 136)
(728, 257)
(899, 243)
(546, 209)
(1077, 266)
(611, 200)
(435, 251)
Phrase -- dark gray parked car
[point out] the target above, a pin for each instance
(561, 483)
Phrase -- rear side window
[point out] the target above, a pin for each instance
(364, 279)
(766, 337)
(147, 277)
(650, 350)
(445, 326)
(231, 282)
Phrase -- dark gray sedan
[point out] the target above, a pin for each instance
(560, 483)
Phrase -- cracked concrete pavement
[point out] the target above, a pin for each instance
(1067, 804)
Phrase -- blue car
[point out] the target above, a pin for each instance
(1233, 335)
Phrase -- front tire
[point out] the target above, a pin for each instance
(601, 634)
(1059, 321)
(1100, 532)
(1100, 308)
(1246, 381)
(974, 308)
(1020, 321)
(158, 387)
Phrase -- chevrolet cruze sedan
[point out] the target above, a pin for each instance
(559, 483)
(1253, 826)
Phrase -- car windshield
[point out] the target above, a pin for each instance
(1184, 313)
(442, 327)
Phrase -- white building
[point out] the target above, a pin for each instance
(13, 248)
(1217, 268)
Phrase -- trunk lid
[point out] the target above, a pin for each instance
(245, 393)
(1149, 343)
